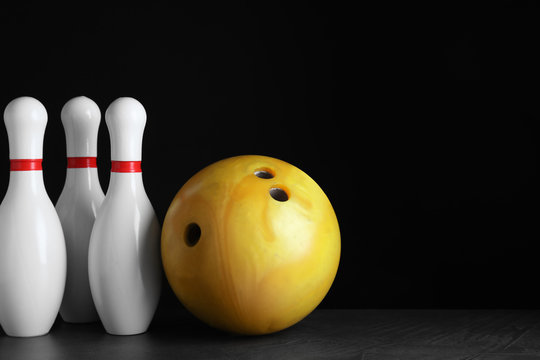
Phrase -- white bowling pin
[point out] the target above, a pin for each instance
(32, 248)
(78, 204)
(124, 262)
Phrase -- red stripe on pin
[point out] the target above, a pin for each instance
(81, 162)
(25, 164)
(126, 166)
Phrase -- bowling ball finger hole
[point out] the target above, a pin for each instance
(192, 234)
(279, 194)
(264, 173)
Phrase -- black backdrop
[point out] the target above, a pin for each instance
(420, 123)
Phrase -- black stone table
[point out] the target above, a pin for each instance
(325, 334)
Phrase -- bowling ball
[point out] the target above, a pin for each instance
(250, 245)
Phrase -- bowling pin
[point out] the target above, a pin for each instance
(32, 248)
(78, 204)
(124, 262)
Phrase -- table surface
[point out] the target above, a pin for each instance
(325, 334)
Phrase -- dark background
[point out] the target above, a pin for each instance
(419, 122)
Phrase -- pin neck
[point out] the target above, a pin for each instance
(82, 177)
(81, 162)
(125, 183)
(126, 166)
(25, 164)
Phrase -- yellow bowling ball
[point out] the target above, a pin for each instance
(250, 245)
